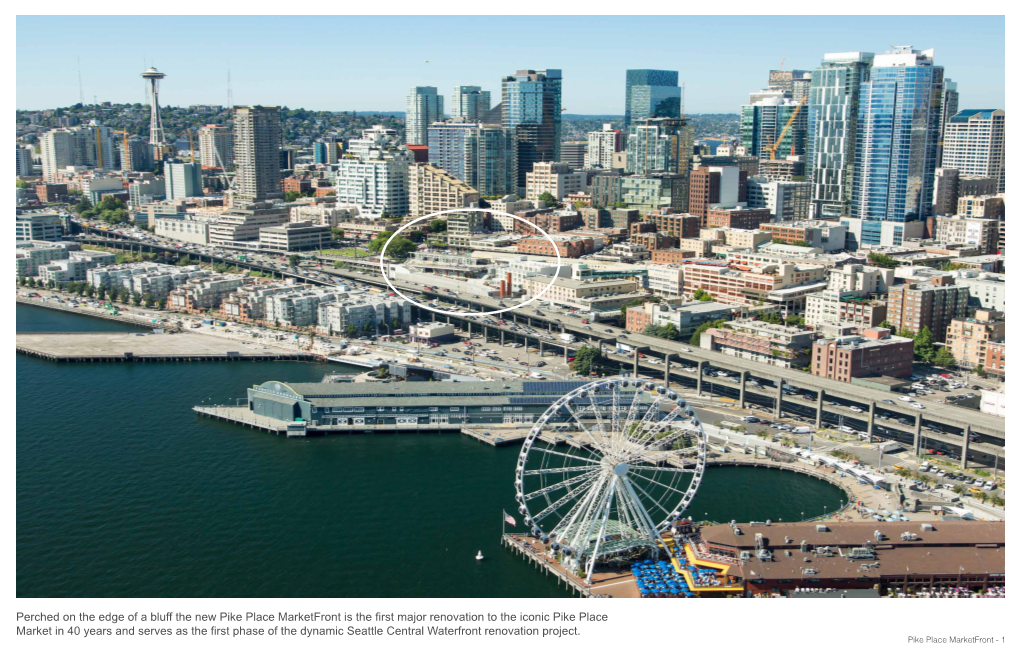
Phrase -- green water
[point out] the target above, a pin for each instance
(123, 491)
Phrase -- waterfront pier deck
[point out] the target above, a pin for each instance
(604, 584)
(146, 347)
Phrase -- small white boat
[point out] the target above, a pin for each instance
(479, 556)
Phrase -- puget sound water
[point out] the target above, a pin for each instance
(123, 491)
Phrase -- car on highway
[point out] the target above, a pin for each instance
(917, 405)
(855, 409)
(751, 420)
(889, 401)
(685, 349)
(907, 399)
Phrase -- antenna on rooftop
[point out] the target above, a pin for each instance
(81, 90)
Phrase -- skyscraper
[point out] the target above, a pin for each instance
(216, 146)
(424, 106)
(897, 136)
(950, 106)
(975, 144)
(92, 146)
(660, 145)
(475, 153)
(373, 174)
(531, 106)
(795, 82)
(762, 122)
(182, 179)
(601, 147)
(833, 104)
(469, 103)
(257, 152)
(651, 93)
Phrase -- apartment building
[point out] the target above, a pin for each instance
(248, 303)
(970, 338)
(933, 304)
(373, 310)
(685, 318)
(744, 285)
(299, 308)
(207, 293)
(432, 189)
(557, 179)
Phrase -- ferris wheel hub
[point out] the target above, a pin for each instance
(621, 469)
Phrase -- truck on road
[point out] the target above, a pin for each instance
(567, 338)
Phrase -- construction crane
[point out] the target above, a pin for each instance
(789, 122)
(782, 63)
(191, 143)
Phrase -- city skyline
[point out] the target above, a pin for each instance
(716, 63)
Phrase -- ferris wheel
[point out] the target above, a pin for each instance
(607, 468)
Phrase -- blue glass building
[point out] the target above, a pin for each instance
(652, 93)
(531, 107)
(897, 137)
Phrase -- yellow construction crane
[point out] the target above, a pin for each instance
(191, 143)
(789, 122)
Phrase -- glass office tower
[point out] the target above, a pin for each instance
(531, 106)
(897, 136)
(833, 104)
(651, 93)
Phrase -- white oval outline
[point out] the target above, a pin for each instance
(382, 263)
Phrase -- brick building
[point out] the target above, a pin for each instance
(737, 218)
(570, 247)
(876, 352)
(995, 359)
(683, 225)
(931, 305)
(652, 240)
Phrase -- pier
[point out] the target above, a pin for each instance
(146, 347)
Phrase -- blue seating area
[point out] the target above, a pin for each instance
(658, 579)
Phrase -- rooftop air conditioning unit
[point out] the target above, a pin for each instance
(821, 528)
(927, 527)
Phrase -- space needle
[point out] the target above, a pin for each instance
(156, 136)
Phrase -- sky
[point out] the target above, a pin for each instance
(369, 63)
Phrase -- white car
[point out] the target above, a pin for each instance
(846, 429)
(917, 405)
(906, 398)
(855, 409)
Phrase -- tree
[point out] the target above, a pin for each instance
(586, 360)
(905, 332)
(979, 371)
(399, 247)
(703, 296)
(114, 294)
(148, 300)
(293, 260)
(924, 346)
(696, 337)
(136, 298)
(161, 304)
(437, 225)
(886, 324)
(882, 260)
(22, 280)
(669, 332)
(794, 319)
(368, 327)
(944, 358)
(291, 195)
(351, 331)
(549, 199)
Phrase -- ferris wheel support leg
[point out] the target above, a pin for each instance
(647, 519)
(590, 569)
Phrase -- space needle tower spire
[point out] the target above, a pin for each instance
(156, 136)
